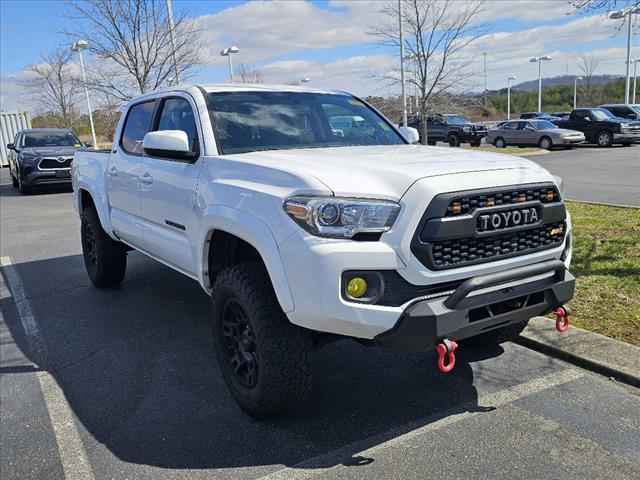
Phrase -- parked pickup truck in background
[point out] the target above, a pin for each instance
(602, 127)
(450, 128)
(42, 156)
(305, 228)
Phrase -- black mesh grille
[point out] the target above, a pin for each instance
(53, 163)
(467, 204)
(461, 252)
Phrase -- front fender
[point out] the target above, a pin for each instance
(253, 231)
(100, 202)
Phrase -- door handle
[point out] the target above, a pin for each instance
(113, 171)
(146, 179)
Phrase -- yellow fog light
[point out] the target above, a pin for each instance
(357, 287)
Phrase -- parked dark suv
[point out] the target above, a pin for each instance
(631, 112)
(602, 127)
(40, 156)
(451, 128)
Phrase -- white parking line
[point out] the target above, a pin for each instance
(317, 465)
(72, 454)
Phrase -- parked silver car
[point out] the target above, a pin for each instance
(541, 133)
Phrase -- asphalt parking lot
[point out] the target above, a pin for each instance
(592, 174)
(123, 384)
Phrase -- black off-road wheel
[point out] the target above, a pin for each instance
(264, 359)
(476, 143)
(454, 140)
(497, 336)
(104, 258)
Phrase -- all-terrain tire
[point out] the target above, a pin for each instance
(277, 352)
(454, 140)
(104, 258)
(497, 336)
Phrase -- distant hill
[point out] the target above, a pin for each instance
(532, 85)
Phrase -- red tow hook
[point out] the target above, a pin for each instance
(562, 318)
(446, 349)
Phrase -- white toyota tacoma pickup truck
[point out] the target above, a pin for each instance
(307, 216)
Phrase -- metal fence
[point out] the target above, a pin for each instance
(10, 124)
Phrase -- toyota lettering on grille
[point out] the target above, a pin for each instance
(507, 219)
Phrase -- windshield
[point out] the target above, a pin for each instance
(456, 120)
(543, 125)
(253, 121)
(51, 139)
(601, 114)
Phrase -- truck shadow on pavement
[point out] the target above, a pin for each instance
(138, 370)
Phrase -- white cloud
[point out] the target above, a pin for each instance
(358, 74)
(264, 30)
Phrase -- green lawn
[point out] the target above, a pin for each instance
(606, 263)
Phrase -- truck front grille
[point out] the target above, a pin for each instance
(54, 163)
(453, 233)
(463, 204)
(465, 251)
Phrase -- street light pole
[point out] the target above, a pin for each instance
(575, 92)
(509, 79)
(404, 95)
(172, 35)
(539, 60)
(484, 55)
(635, 78)
(227, 52)
(78, 47)
(628, 14)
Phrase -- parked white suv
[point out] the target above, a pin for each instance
(302, 232)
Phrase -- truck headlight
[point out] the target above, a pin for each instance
(466, 129)
(560, 185)
(341, 217)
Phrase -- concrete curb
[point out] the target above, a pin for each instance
(605, 204)
(585, 349)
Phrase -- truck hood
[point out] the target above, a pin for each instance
(382, 171)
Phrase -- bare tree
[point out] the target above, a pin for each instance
(590, 5)
(250, 74)
(588, 64)
(54, 83)
(132, 41)
(436, 34)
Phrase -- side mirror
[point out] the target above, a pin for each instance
(168, 144)
(410, 134)
(11, 146)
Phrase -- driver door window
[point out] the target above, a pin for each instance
(168, 216)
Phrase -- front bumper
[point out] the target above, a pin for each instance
(626, 137)
(474, 136)
(500, 299)
(572, 140)
(46, 177)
